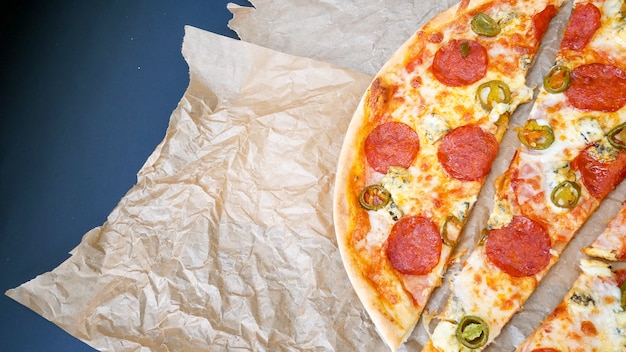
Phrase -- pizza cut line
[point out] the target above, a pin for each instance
(571, 156)
(419, 147)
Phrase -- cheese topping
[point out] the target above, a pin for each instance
(589, 318)
(443, 338)
(610, 39)
(434, 127)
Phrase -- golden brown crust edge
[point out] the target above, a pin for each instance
(390, 332)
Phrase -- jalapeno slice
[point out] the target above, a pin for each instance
(535, 136)
(472, 331)
(465, 49)
(444, 231)
(557, 80)
(617, 136)
(493, 92)
(484, 25)
(566, 194)
(374, 197)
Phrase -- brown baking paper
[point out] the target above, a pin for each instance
(362, 35)
(359, 35)
(226, 242)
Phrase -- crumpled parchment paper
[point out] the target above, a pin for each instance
(226, 242)
(359, 35)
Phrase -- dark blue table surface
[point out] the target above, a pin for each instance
(87, 89)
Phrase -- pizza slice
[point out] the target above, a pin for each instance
(611, 243)
(419, 147)
(591, 316)
(567, 163)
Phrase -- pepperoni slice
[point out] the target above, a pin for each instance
(598, 87)
(583, 23)
(414, 245)
(542, 20)
(600, 176)
(391, 144)
(466, 153)
(522, 248)
(460, 62)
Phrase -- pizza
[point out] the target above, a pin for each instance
(419, 146)
(570, 157)
(611, 243)
(591, 316)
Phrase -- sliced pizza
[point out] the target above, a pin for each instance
(419, 147)
(591, 316)
(611, 243)
(566, 164)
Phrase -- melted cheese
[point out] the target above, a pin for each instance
(434, 127)
(444, 338)
(589, 318)
(501, 214)
(610, 39)
(425, 188)
(482, 280)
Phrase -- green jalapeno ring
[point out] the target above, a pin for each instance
(472, 331)
(614, 133)
(444, 231)
(557, 72)
(566, 194)
(374, 197)
(484, 25)
(499, 92)
(535, 136)
(465, 49)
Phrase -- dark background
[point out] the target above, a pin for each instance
(87, 89)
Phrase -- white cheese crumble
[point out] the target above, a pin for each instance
(498, 110)
(434, 127)
(444, 337)
(595, 268)
(602, 151)
(398, 182)
(501, 214)
(589, 129)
